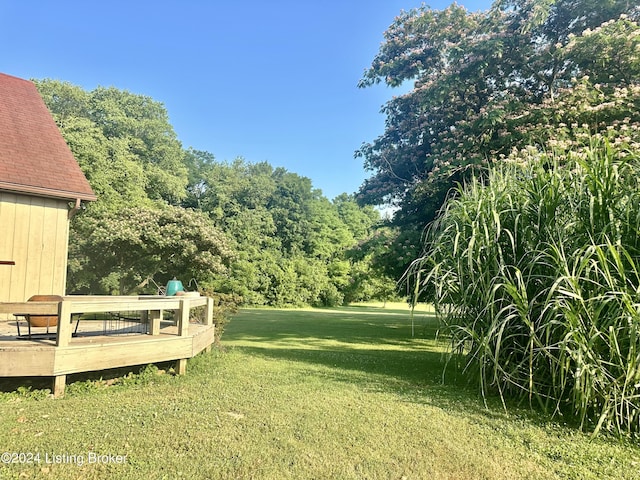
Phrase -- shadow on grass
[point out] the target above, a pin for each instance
(372, 348)
(416, 375)
(367, 327)
(378, 349)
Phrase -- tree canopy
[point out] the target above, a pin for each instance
(523, 124)
(520, 73)
(292, 242)
(260, 232)
(123, 142)
(122, 250)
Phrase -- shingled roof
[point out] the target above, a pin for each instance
(34, 157)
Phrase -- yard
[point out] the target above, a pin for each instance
(342, 393)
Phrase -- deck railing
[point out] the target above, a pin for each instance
(151, 306)
(64, 358)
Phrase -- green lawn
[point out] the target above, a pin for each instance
(302, 394)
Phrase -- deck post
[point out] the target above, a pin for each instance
(208, 318)
(64, 324)
(154, 321)
(183, 317)
(59, 383)
(181, 366)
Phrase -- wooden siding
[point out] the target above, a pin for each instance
(34, 232)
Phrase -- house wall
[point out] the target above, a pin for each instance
(34, 232)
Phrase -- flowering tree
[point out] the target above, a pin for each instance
(533, 263)
(524, 72)
(118, 252)
(290, 243)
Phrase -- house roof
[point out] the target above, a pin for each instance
(34, 157)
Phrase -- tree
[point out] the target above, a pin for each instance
(199, 164)
(119, 252)
(290, 242)
(359, 220)
(123, 142)
(129, 152)
(485, 83)
(531, 261)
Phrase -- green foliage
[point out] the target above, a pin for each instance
(118, 252)
(34, 394)
(535, 272)
(123, 142)
(608, 54)
(356, 218)
(289, 242)
(523, 73)
(292, 242)
(225, 305)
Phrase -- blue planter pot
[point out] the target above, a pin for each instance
(174, 286)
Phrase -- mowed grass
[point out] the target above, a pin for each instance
(343, 393)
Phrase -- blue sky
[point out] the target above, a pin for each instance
(268, 81)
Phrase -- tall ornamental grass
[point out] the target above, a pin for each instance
(534, 271)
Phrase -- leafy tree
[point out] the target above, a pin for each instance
(328, 234)
(119, 252)
(144, 125)
(386, 249)
(487, 82)
(123, 142)
(115, 175)
(359, 220)
(129, 152)
(290, 242)
(198, 163)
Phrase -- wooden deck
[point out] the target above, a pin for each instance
(169, 336)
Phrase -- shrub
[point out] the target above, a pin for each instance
(225, 304)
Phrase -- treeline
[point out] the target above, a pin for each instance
(259, 232)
